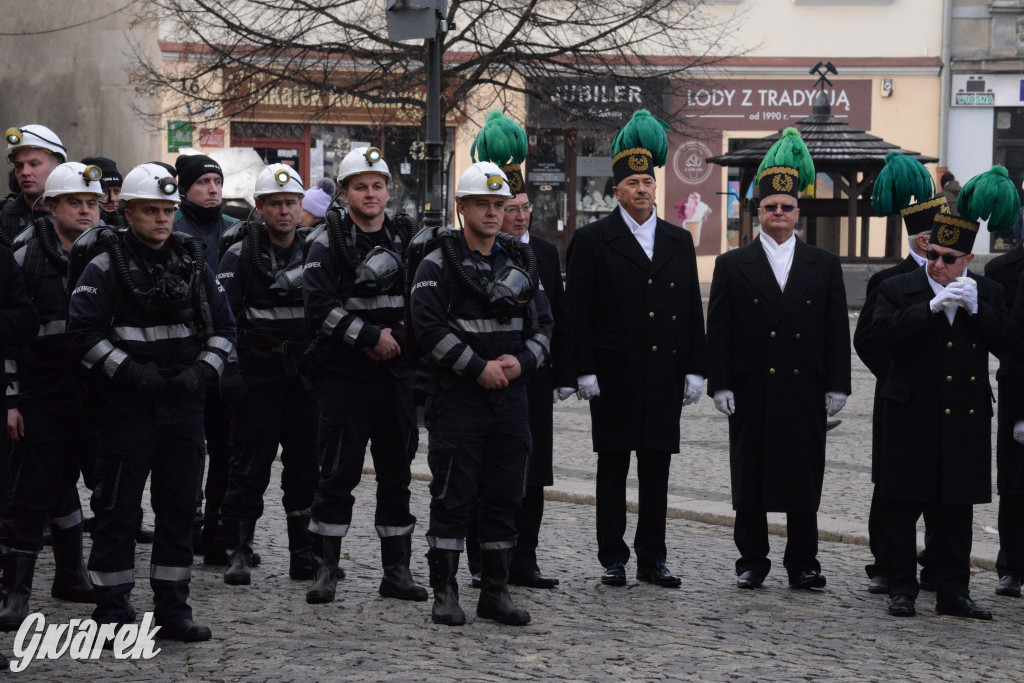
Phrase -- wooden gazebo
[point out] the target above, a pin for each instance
(849, 156)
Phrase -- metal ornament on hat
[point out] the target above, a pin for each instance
(638, 163)
(948, 236)
(782, 183)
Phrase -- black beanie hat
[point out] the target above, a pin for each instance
(170, 169)
(190, 167)
(111, 176)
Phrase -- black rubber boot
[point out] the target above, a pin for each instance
(301, 564)
(70, 577)
(325, 582)
(17, 587)
(444, 566)
(239, 533)
(495, 602)
(395, 552)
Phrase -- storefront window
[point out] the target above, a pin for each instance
(1008, 151)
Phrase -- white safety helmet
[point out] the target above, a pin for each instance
(34, 136)
(149, 181)
(278, 178)
(363, 160)
(483, 178)
(73, 177)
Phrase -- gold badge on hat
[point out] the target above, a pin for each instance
(948, 235)
(638, 162)
(782, 183)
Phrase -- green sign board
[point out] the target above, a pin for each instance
(179, 134)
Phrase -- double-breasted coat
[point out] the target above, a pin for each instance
(873, 355)
(937, 442)
(779, 352)
(1006, 270)
(557, 371)
(638, 324)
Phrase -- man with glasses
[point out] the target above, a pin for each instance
(939, 323)
(779, 338)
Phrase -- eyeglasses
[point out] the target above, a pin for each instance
(786, 208)
(526, 208)
(948, 259)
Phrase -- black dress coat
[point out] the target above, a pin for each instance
(638, 324)
(1006, 270)
(937, 442)
(873, 355)
(557, 371)
(779, 352)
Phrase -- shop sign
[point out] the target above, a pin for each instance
(211, 137)
(179, 135)
(566, 102)
(987, 90)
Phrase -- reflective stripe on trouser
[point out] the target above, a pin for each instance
(43, 486)
(128, 452)
(378, 410)
(478, 452)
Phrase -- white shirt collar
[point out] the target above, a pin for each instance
(921, 260)
(780, 256)
(644, 234)
(525, 237)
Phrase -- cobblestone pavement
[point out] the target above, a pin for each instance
(706, 630)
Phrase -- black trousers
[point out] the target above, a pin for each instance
(949, 547)
(649, 541)
(354, 412)
(528, 519)
(751, 536)
(45, 466)
(1010, 559)
(284, 415)
(217, 427)
(479, 447)
(128, 451)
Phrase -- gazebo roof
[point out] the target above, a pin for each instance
(834, 144)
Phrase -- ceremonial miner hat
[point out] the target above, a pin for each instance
(990, 196)
(503, 142)
(953, 232)
(787, 168)
(640, 146)
(902, 178)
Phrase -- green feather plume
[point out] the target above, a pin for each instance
(900, 178)
(501, 141)
(990, 195)
(643, 130)
(790, 150)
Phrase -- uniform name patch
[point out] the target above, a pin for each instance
(424, 283)
(312, 264)
(84, 288)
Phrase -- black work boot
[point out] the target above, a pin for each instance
(301, 565)
(239, 532)
(444, 566)
(70, 577)
(495, 602)
(17, 586)
(325, 582)
(214, 539)
(398, 582)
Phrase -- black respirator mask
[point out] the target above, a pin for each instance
(380, 270)
(510, 290)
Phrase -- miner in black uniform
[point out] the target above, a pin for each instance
(890, 197)
(201, 215)
(262, 275)
(111, 181)
(153, 329)
(640, 347)
(47, 424)
(779, 335)
(504, 142)
(939, 323)
(353, 288)
(34, 151)
(481, 318)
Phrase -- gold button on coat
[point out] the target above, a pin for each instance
(772, 335)
(771, 371)
(947, 411)
(654, 348)
(651, 314)
(949, 345)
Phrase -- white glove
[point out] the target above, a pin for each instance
(725, 401)
(694, 388)
(1018, 431)
(588, 388)
(834, 402)
(967, 292)
(947, 298)
(561, 393)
